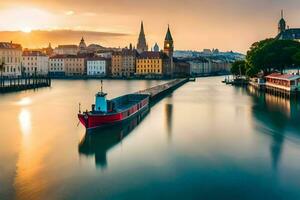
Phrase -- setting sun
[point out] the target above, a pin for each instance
(26, 29)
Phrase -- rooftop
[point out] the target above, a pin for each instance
(33, 53)
(290, 34)
(67, 46)
(152, 55)
(288, 77)
(10, 45)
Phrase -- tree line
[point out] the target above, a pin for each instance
(268, 56)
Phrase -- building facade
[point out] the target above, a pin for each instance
(74, 65)
(11, 58)
(57, 65)
(123, 63)
(35, 63)
(181, 68)
(66, 50)
(286, 33)
(96, 66)
(199, 66)
(152, 63)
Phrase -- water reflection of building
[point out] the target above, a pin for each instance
(277, 115)
(169, 119)
(100, 141)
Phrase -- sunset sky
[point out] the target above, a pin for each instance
(195, 24)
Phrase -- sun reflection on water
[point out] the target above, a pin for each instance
(25, 121)
(24, 101)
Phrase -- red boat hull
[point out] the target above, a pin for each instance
(90, 120)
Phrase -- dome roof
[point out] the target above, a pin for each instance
(82, 44)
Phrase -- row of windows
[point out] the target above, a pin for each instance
(74, 64)
(75, 69)
(148, 61)
(11, 69)
(148, 66)
(10, 59)
(56, 64)
(96, 73)
(28, 68)
(56, 69)
(148, 71)
(12, 53)
(29, 58)
(30, 63)
(126, 69)
(96, 67)
(96, 62)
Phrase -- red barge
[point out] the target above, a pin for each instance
(107, 112)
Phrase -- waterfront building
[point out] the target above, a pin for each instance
(169, 51)
(142, 44)
(199, 66)
(285, 82)
(35, 62)
(286, 33)
(57, 65)
(208, 65)
(181, 68)
(74, 65)
(123, 63)
(152, 63)
(219, 66)
(11, 58)
(66, 50)
(96, 66)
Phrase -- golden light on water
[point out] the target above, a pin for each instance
(24, 101)
(25, 121)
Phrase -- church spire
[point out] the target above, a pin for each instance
(142, 44)
(142, 28)
(281, 24)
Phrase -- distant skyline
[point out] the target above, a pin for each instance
(195, 24)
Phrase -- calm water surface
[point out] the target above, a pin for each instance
(205, 141)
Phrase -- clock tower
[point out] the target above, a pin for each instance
(169, 50)
(169, 44)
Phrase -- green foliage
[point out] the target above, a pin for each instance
(238, 68)
(296, 58)
(272, 55)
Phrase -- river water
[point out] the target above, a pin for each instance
(205, 141)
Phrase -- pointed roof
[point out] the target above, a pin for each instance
(142, 28)
(282, 18)
(142, 44)
(169, 35)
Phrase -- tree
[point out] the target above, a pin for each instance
(271, 55)
(238, 68)
(296, 59)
